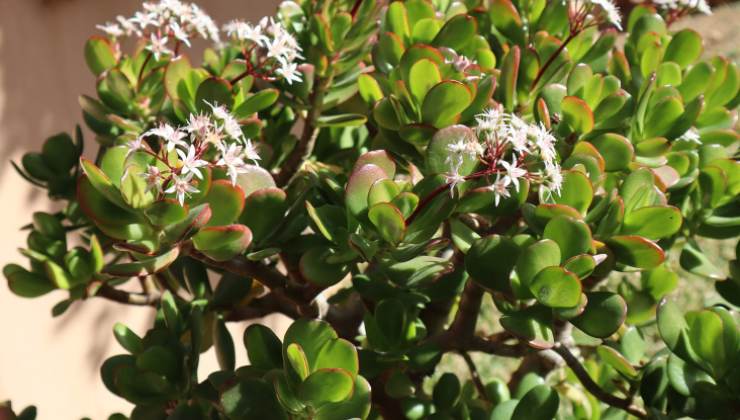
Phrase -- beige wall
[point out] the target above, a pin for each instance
(54, 363)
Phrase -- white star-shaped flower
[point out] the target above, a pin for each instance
(173, 137)
(231, 159)
(158, 46)
(289, 72)
(513, 172)
(179, 33)
(181, 187)
(111, 29)
(500, 189)
(153, 178)
(191, 162)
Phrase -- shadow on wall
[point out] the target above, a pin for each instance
(54, 362)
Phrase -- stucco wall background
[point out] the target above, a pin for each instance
(53, 362)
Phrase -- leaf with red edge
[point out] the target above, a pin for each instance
(145, 266)
(226, 201)
(636, 251)
(222, 243)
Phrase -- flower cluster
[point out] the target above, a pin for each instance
(162, 22)
(268, 48)
(700, 6)
(509, 150)
(207, 141)
(603, 11)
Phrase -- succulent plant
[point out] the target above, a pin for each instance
(375, 172)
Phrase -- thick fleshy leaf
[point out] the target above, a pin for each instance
(226, 202)
(263, 347)
(490, 259)
(509, 77)
(341, 120)
(572, 236)
(444, 102)
(356, 406)
(615, 359)
(438, 152)
(695, 261)
(556, 287)
(257, 102)
(358, 187)
(540, 403)
(222, 243)
(25, 283)
(536, 257)
(424, 74)
(576, 191)
(636, 251)
(457, 32)
(580, 265)
(213, 91)
(604, 314)
(382, 191)
(252, 398)
(326, 386)
(177, 71)
(389, 222)
(264, 210)
(653, 222)
(312, 335)
(707, 339)
(531, 325)
(255, 178)
(99, 55)
(616, 150)
(317, 270)
(379, 158)
(577, 115)
(143, 267)
(338, 353)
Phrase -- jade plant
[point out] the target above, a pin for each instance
(523, 181)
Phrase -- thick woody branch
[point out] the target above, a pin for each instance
(305, 145)
(121, 296)
(594, 388)
(271, 278)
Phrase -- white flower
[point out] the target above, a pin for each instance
(610, 12)
(181, 186)
(513, 172)
(553, 178)
(500, 189)
(490, 120)
(158, 46)
(128, 26)
(191, 162)
(172, 136)
(243, 31)
(230, 124)
(460, 62)
(153, 178)
(251, 152)
(700, 6)
(290, 72)
(144, 20)
(453, 179)
(180, 33)
(111, 29)
(692, 136)
(198, 124)
(136, 144)
(544, 141)
(231, 158)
